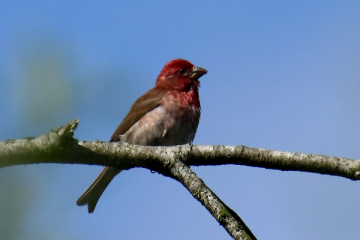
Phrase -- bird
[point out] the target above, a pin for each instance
(166, 115)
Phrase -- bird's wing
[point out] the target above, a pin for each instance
(143, 105)
(146, 103)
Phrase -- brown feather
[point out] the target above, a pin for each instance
(146, 103)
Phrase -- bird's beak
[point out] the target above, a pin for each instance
(197, 72)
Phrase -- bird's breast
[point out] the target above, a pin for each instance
(172, 123)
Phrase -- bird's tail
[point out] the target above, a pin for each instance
(93, 193)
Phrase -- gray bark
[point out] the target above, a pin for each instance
(59, 146)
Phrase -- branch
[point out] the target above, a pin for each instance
(285, 161)
(59, 146)
(223, 214)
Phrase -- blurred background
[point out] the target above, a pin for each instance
(283, 75)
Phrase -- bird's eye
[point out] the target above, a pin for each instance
(181, 71)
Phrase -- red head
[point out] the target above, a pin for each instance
(179, 75)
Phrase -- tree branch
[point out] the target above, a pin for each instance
(285, 161)
(59, 146)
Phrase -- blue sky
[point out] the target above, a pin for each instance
(282, 76)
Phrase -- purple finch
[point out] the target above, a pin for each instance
(166, 115)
